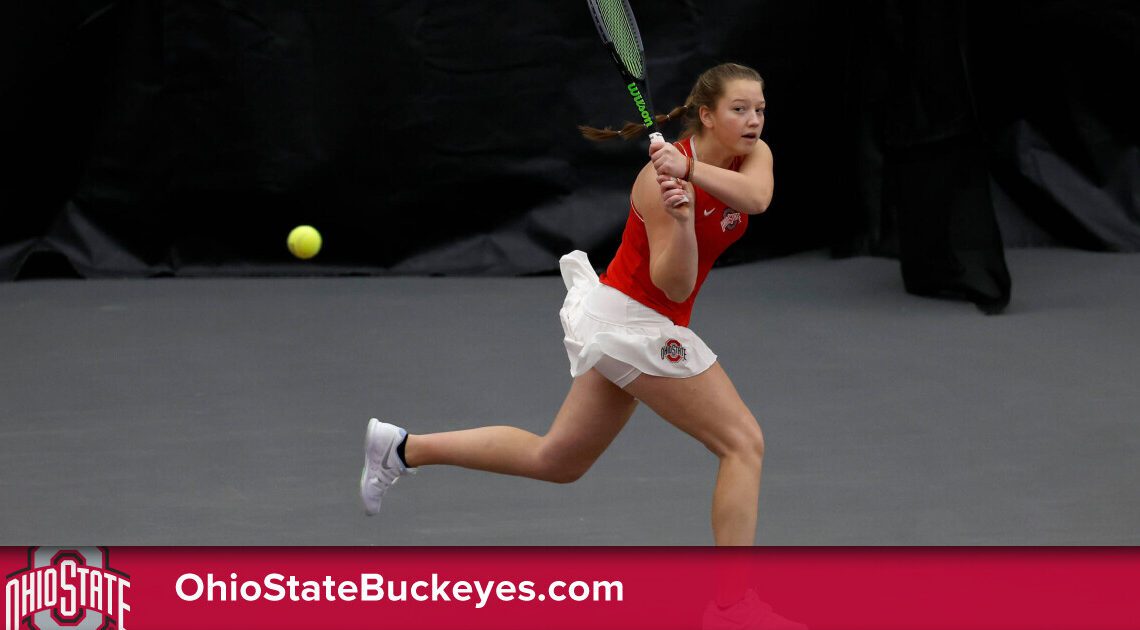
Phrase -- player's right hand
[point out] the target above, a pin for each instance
(676, 195)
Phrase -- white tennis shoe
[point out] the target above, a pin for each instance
(749, 613)
(382, 466)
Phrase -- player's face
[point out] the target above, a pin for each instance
(739, 116)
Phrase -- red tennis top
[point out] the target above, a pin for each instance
(717, 227)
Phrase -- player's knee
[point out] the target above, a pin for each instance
(746, 440)
(569, 475)
(557, 469)
(756, 441)
(566, 473)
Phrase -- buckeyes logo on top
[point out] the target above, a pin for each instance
(729, 220)
(66, 588)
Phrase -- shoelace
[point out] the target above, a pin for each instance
(407, 471)
(380, 481)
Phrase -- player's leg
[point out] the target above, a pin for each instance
(593, 413)
(708, 407)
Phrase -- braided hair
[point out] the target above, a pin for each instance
(706, 91)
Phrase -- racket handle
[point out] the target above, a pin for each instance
(658, 137)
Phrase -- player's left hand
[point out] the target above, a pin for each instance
(667, 160)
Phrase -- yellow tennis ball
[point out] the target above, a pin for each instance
(304, 241)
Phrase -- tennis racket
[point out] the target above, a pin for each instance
(618, 29)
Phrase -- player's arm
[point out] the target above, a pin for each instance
(748, 190)
(671, 234)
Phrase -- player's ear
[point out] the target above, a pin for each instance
(706, 116)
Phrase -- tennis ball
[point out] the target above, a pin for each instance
(304, 241)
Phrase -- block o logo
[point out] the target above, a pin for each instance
(674, 351)
(62, 588)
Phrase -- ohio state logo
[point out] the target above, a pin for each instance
(729, 220)
(66, 588)
(673, 351)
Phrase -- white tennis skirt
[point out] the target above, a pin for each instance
(604, 324)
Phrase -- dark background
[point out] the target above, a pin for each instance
(187, 138)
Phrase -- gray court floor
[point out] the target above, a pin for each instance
(231, 411)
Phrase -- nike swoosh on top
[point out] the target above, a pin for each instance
(709, 211)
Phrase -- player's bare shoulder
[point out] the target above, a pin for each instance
(758, 162)
(761, 152)
(645, 188)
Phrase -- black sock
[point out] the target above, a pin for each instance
(400, 452)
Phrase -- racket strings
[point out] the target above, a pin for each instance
(625, 39)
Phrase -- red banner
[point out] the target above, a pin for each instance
(570, 588)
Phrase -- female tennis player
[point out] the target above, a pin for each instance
(626, 334)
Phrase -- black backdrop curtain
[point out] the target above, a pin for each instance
(934, 209)
(187, 138)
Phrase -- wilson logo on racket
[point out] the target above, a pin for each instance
(673, 351)
(640, 102)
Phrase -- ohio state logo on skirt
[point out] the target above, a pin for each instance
(673, 351)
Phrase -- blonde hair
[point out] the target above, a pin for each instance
(706, 91)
